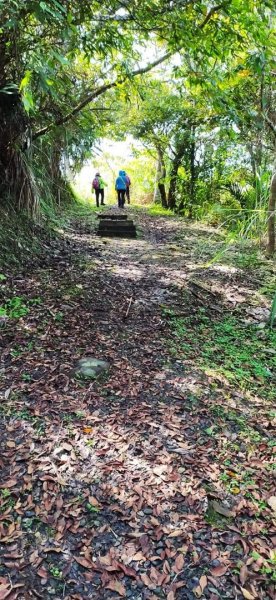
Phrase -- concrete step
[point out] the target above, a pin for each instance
(115, 217)
(110, 223)
(123, 232)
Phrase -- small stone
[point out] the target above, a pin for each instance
(192, 583)
(215, 563)
(262, 325)
(148, 511)
(30, 513)
(147, 564)
(90, 367)
(156, 562)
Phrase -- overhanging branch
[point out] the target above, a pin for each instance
(101, 90)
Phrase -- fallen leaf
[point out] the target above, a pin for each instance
(198, 591)
(10, 444)
(179, 563)
(5, 591)
(8, 484)
(87, 429)
(138, 556)
(146, 580)
(222, 510)
(272, 502)
(176, 533)
(219, 571)
(116, 586)
(67, 446)
(203, 582)
(171, 596)
(247, 594)
(83, 562)
(243, 574)
(42, 573)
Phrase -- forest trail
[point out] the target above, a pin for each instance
(154, 481)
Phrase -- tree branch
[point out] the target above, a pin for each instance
(101, 90)
(271, 125)
(211, 12)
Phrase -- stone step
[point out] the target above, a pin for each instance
(115, 217)
(110, 223)
(123, 232)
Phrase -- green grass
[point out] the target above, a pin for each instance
(156, 210)
(227, 347)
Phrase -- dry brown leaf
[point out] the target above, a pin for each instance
(154, 575)
(159, 470)
(8, 484)
(116, 586)
(93, 501)
(146, 580)
(243, 574)
(10, 444)
(83, 562)
(272, 502)
(138, 556)
(175, 533)
(203, 582)
(171, 596)
(42, 573)
(247, 594)
(222, 510)
(67, 446)
(219, 571)
(87, 429)
(198, 591)
(179, 563)
(5, 591)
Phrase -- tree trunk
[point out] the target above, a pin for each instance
(16, 179)
(271, 217)
(160, 189)
(173, 181)
(192, 172)
(156, 195)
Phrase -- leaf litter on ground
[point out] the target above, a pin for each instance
(154, 481)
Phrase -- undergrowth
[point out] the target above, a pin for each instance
(227, 347)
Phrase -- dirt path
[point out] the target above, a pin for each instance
(156, 480)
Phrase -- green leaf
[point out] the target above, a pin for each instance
(28, 101)
(273, 312)
(26, 80)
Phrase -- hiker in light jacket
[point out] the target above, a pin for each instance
(98, 186)
(120, 187)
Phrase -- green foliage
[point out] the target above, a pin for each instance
(14, 308)
(227, 347)
(205, 113)
(273, 312)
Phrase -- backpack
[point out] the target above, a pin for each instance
(95, 183)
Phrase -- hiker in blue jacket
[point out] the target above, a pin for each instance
(120, 187)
